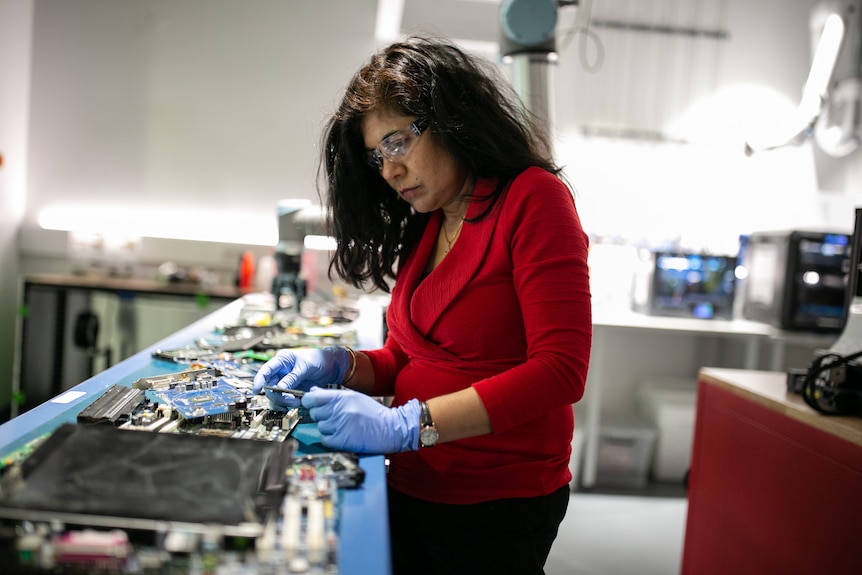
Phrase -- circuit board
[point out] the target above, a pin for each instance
(185, 472)
(169, 485)
(196, 396)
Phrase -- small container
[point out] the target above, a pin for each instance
(670, 407)
(245, 274)
(624, 454)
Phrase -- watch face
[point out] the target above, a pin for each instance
(428, 437)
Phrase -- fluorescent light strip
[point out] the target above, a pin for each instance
(323, 243)
(161, 223)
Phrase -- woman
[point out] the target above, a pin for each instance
(438, 179)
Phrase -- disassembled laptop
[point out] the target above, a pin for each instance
(183, 472)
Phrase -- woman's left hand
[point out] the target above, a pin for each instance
(352, 421)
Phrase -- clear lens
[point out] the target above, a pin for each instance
(396, 146)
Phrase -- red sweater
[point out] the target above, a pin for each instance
(507, 312)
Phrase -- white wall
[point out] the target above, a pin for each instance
(713, 95)
(203, 114)
(15, 33)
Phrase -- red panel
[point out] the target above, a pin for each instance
(768, 494)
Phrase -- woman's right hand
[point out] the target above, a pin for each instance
(301, 369)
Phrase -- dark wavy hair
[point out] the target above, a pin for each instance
(471, 110)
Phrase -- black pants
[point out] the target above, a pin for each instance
(504, 536)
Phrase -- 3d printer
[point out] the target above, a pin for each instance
(832, 384)
(796, 279)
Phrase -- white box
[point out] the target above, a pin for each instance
(624, 454)
(670, 406)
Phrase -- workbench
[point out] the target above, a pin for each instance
(775, 487)
(364, 529)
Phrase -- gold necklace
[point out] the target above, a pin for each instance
(455, 235)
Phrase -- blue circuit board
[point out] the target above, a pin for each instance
(215, 399)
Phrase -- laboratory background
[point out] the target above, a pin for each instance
(162, 141)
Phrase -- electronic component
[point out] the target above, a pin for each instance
(242, 365)
(217, 399)
(22, 453)
(188, 380)
(201, 398)
(94, 498)
(196, 393)
(114, 406)
(795, 379)
(246, 344)
(186, 472)
(92, 549)
(833, 384)
(200, 401)
(343, 467)
(82, 472)
(149, 416)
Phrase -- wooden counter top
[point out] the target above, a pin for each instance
(769, 389)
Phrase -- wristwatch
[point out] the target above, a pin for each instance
(427, 431)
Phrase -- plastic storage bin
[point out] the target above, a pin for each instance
(624, 454)
(669, 405)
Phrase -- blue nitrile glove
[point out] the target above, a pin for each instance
(301, 369)
(352, 421)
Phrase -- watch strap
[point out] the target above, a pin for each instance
(424, 415)
(427, 430)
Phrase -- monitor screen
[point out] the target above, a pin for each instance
(693, 285)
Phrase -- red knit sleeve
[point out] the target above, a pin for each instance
(387, 362)
(549, 250)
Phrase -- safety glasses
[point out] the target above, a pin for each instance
(396, 146)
